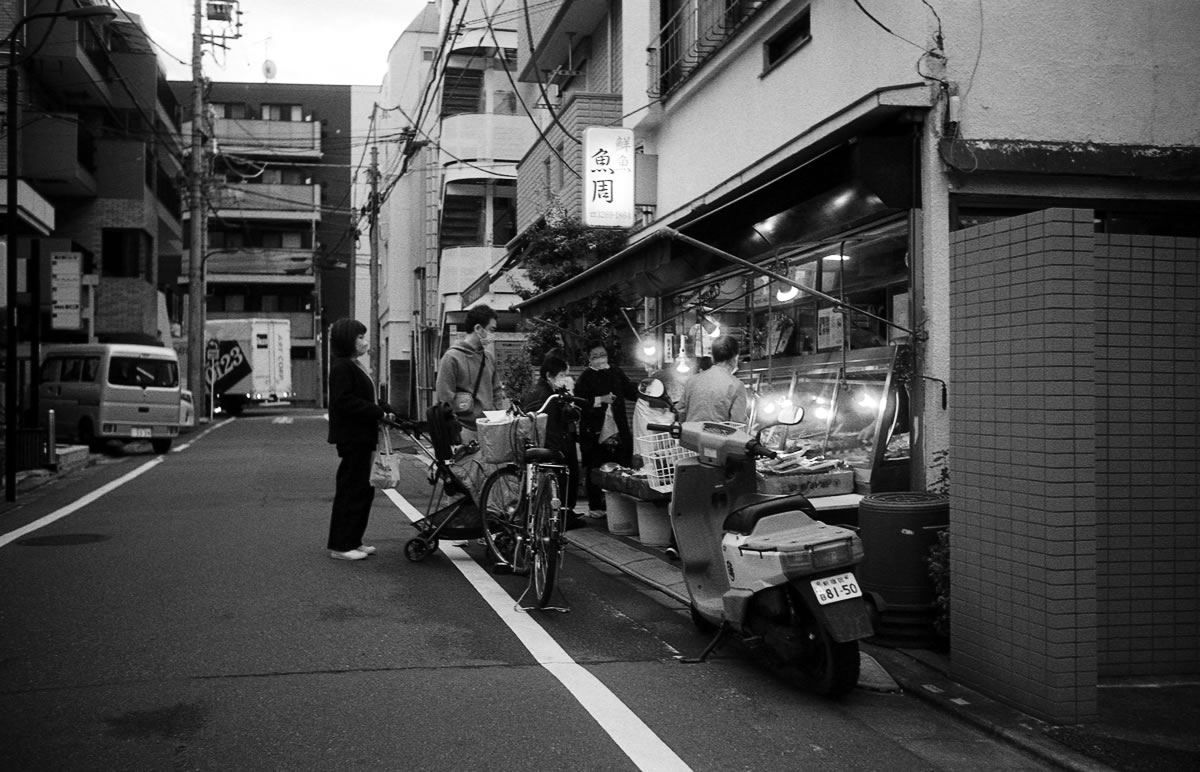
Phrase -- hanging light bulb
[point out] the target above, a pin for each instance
(682, 367)
(649, 348)
(786, 293)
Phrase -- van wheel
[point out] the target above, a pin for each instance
(87, 436)
(161, 445)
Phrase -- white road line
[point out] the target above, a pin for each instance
(194, 440)
(58, 514)
(643, 747)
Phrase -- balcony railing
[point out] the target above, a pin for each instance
(269, 201)
(692, 35)
(244, 136)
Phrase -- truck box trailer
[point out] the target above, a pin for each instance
(248, 362)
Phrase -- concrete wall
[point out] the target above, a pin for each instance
(1086, 71)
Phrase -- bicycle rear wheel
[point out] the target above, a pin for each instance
(547, 543)
(501, 511)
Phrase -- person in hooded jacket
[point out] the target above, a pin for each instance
(467, 377)
(354, 416)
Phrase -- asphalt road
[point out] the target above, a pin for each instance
(189, 618)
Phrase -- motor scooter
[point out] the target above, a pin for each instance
(763, 566)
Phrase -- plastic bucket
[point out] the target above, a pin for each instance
(654, 526)
(622, 514)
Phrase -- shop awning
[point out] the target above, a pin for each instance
(825, 185)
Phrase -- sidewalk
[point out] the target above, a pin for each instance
(1142, 727)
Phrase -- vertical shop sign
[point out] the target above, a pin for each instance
(608, 177)
(66, 289)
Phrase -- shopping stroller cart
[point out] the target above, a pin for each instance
(453, 472)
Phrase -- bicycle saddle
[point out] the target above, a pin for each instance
(542, 456)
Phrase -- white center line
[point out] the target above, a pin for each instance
(643, 747)
(79, 503)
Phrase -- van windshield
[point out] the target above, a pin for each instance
(132, 371)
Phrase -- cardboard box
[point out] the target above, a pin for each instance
(829, 483)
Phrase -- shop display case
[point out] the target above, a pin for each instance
(855, 410)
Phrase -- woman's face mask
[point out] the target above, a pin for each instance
(598, 360)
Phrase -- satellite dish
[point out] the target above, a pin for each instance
(268, 69)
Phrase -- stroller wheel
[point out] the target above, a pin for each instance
(417, 548)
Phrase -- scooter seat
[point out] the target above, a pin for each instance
(743, 519)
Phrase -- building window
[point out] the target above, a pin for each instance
(794, 36)
(429, 54)
(234, 110)
(122, 251)
(282, 113)
(462, 91)
(504, 103)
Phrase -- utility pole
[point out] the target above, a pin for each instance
(374, 325)
(195, 336)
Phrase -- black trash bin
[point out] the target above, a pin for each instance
(897, 530)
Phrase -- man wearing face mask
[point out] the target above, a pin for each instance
(603, 388)
(716, 394)
(561, 416)
(466, 375)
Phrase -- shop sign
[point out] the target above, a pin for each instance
(608, 188)
(66, 290)
(477, 290)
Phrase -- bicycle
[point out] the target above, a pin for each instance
(524, 513)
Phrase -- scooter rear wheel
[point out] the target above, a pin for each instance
(832, 667)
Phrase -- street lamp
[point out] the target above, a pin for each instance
(14, 225)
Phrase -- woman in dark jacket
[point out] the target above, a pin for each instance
(602, 388)
(561, 417)
(354, 415)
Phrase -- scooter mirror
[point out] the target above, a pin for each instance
(778, 412)
(651, 387)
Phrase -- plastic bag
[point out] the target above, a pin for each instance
(385, 463)
(608, 430)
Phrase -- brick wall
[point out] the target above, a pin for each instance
(1023, 460)
(580, 111)
(1148, 454)
(126, 305)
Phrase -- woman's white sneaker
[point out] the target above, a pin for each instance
(347, 555)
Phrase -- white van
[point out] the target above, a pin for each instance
(103, 391)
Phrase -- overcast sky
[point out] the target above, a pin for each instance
(309, 41)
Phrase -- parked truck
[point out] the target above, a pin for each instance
(248, 362)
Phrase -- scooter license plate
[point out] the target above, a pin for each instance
(832, 589)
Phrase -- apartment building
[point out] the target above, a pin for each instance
(450, 130)
(992, 217)
(98, 179)
(281, 233)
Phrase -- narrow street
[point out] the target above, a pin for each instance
(188, 618)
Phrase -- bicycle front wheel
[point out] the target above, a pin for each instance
(500, 509)
(547, 544)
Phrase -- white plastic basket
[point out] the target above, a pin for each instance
(660, 467)
(652, 442)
